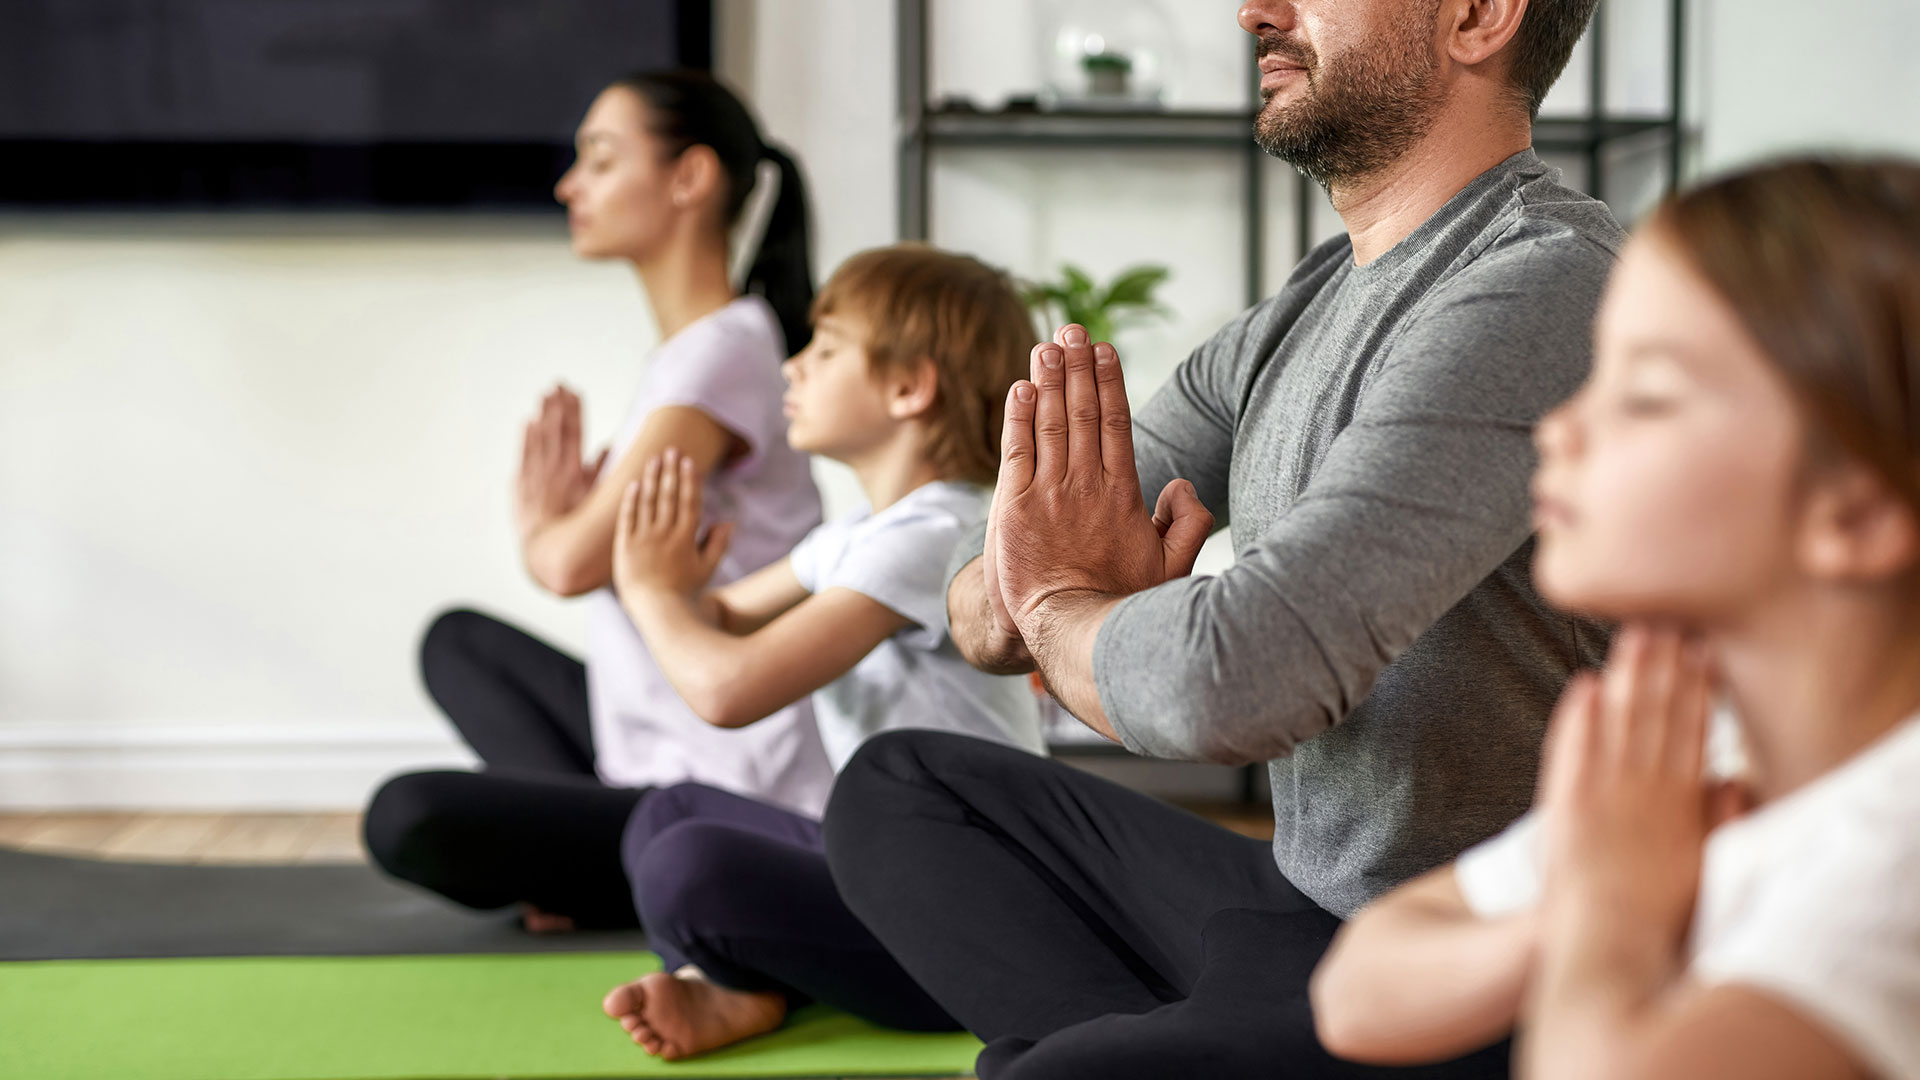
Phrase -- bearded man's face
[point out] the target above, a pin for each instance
(1339, 110)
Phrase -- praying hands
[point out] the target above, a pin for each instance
(1069, 535)
(553, 479)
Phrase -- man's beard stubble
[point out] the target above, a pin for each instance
(1360, 112)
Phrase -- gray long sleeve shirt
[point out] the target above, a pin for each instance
(1366, 435)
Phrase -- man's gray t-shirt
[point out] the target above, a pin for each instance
(1366, 434)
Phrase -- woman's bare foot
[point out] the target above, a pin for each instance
(680, 1015)
(544, 922)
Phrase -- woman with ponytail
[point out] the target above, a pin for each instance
(673, 177)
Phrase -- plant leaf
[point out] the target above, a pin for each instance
(1135, 285)
(1077, 298)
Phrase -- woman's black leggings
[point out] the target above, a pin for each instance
(536, 825)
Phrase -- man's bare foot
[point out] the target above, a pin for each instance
(680, 1015)
(544, 922)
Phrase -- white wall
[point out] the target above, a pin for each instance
(1778, 76)
(242, 460)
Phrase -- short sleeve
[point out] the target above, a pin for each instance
(1837, 940)
(972, 545)
(1501, 876)
(729, 368)
(814, 548)
(900, 562)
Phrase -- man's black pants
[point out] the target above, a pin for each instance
(1082, 929)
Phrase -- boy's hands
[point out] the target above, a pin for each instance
(657, 547)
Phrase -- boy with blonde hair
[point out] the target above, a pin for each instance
(905, 381)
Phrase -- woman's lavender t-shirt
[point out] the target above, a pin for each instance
(727, 365)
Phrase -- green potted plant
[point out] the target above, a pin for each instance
(1076, 298)
(1107, 73)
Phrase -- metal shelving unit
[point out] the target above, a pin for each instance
(925, 129)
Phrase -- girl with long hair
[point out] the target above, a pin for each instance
(1739, 486)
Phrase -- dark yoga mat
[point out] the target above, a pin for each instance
(54, 908)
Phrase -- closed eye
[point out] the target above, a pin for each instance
(1647, 405)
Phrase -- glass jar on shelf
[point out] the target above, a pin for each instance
(1108, 54)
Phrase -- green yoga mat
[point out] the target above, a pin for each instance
(394, 1017)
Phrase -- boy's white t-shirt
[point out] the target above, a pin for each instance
(916, 678)
(1813, 899)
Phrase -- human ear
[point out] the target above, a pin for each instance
(1476, 30)
(697, 176)
(913, 390)
(1858, 530)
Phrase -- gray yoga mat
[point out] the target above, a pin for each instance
(55, 908)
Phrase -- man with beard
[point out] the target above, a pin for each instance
(1378, 641)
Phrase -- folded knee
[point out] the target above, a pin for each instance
(403, 819)
(865, 788)
(906, 766)
(447, 635)
(688, 873)
(658, 810)
(882, 798)
(892, 762)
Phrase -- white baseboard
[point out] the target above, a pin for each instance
(316, 766)
(264, 767)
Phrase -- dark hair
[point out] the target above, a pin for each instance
(1544, 43)
(1820, 260)
(920, 303)
(689, 108)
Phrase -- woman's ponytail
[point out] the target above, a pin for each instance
(782, 268)
(689, 108)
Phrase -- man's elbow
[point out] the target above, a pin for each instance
(1226, 732)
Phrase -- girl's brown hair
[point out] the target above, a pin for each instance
(1820, 259)
(920, 303)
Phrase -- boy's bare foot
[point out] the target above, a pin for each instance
(678, 1016)
(544, 922)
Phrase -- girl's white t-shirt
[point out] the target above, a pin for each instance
(1814, 900)
(916, 678)
(727, 365)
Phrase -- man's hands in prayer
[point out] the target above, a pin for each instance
(1068, 534)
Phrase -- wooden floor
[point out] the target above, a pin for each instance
(159, 836)
(188, 838)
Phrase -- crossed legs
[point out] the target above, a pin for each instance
(1082, 929)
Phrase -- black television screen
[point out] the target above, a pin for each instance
(314, 103)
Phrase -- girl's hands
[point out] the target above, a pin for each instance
(1624, 805)
(656, 541)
